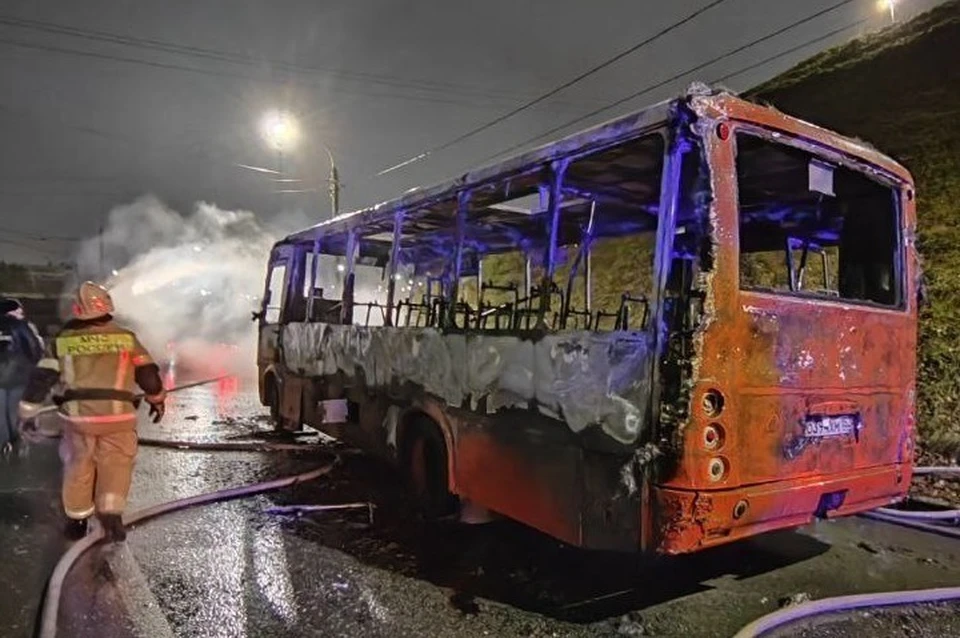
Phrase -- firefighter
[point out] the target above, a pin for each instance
(98, 365)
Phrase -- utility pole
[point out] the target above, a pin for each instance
(334, 190)
(333, 182)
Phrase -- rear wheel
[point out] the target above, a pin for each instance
(274, 401)
(425, 466)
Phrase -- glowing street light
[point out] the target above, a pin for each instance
(279, 130)
(888, 5)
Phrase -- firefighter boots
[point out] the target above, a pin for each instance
(75, 529)
(113, 529)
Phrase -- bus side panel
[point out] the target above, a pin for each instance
(525, 466)
(611, 517)
(511, 468)
(363, 426)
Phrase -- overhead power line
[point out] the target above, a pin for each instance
(219, 159)
(783, 54)
(554, 91)
(28, 236)
(260, 72)
(38, 249)
(208, 155)
(44, 194)
(247, 60)
(670, 79)
(259, 169)
(54, 179)
(67, 125)
(216, 73)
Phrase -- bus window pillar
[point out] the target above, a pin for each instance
(394, 266)
(588, 280)
(527, 277)
(479, 293)
(555, 197)
(346, 310)
(666, 229)
(583, 257)
(314, 266)
(666, 232)
(452, 289)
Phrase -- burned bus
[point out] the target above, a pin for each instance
(684, 327)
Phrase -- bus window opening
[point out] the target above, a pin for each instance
(814, 229)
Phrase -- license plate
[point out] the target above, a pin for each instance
(828, 426)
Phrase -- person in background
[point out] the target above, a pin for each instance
(20, 350)
(18, 312)
(99, 365)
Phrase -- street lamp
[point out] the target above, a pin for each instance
(281, 132)
(889, 5)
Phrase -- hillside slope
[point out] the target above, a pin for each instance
(900, 91)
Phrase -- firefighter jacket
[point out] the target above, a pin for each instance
(97, 365)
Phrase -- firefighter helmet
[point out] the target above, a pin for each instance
(93, 301)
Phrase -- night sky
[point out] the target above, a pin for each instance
(106, 100)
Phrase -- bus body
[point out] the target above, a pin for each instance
(681, 328)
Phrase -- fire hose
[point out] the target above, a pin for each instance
(136, 398)
(51, 603)
(35, 435)
(921, 520)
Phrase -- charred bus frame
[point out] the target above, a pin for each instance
(718, 416)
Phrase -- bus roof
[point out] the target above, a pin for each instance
(379, 218)
(602, 135)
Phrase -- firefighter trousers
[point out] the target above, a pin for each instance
(97, 471)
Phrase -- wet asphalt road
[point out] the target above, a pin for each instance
(231, 569)
(30, 539)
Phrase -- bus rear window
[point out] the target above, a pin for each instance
(811, 228)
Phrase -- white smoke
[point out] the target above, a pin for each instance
(190, 280)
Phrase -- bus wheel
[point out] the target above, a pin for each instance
(280, 423)
(425, 466)
(273, 400)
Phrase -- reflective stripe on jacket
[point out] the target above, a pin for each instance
(96, 362)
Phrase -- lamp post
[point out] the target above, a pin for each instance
(333, 182)
(281, 132)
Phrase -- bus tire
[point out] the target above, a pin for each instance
(271, 395)
(274, 401)
(424, 463)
